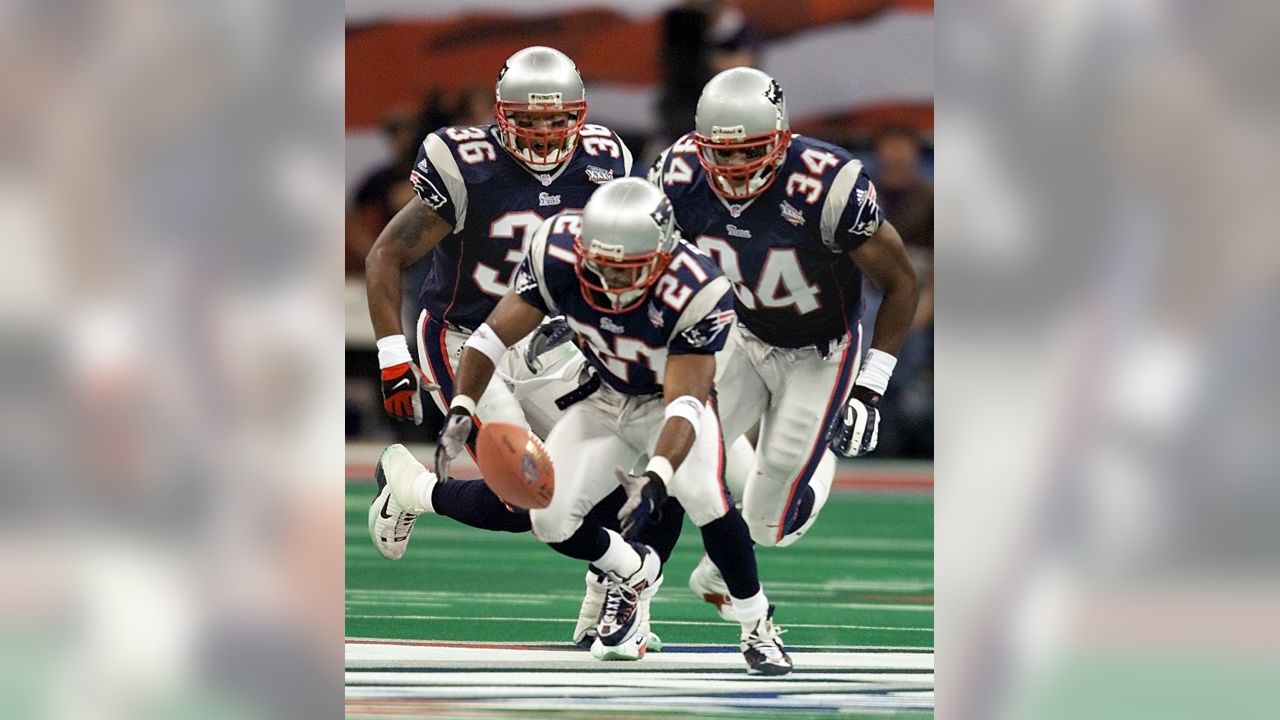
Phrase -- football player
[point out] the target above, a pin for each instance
(650, 312)
(480, 193)
(794, 223)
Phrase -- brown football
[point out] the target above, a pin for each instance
(515, 465)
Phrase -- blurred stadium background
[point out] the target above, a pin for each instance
(857, 594)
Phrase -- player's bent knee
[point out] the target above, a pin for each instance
(553, 528)
(763, 535)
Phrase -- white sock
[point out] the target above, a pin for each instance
(620, 559)
(750, 610)
(419, 490)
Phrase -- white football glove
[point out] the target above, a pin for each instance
(857, 429)
(458, 429)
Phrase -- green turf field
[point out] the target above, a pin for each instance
(861, 578)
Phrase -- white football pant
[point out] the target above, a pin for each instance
(609, 430)
(518, 397)
(793, 393)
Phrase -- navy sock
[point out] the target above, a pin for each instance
(803, 509)
(660, 534)
(471, 502)
(590, 542)
(728, 544)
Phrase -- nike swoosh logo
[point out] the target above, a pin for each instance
(402, 382)
(383, 511)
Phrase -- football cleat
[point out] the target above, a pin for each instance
(584, 635)
(707, 583)
(623, 631)
(762, 648)
(390, 522)
(653, 643)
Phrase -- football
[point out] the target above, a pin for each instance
(515, 465)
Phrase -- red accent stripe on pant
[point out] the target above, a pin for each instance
(437, 352)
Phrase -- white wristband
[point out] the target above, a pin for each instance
(661, 467)
(465, 402)
(687, 407)
(876, 370)
(488, 343)
(393, 350)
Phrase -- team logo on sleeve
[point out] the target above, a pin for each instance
(707, 329)
(428, 192)
(524, 281)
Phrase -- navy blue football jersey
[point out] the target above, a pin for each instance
(786, 250)
(494, 204)
(688, 310)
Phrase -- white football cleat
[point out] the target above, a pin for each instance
(761, 646)
(707, 583)
(623, 632)
(584, 635)
(652, 641)
(390, 521)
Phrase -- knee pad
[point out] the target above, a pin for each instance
(821, 485)
(552, 527)
(762, 534)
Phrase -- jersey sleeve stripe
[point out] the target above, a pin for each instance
(837, 199)
(702, 304)
(537, 261)
(626, 156)
(444, 162)
(658, 168)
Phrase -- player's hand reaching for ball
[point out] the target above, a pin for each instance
(645, 495)
(458, 428)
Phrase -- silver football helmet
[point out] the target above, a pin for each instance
(742, 132)
(628, 235)
(541, 107)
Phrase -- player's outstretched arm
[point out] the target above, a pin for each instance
(410, 235)
(883, 259)
(512, 319)
(686, 381)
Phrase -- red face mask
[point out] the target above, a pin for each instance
(621, 282)
(539, 134)
(740, 169)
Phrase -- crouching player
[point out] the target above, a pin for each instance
(650, 312)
